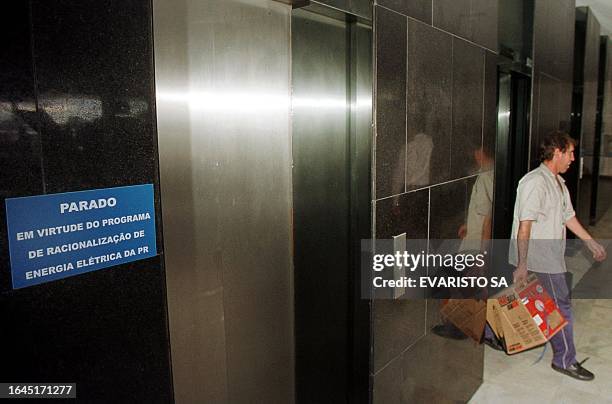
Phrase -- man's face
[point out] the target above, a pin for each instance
(565, 159)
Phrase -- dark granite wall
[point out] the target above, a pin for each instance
(362, 8)
(604, 192)
(435, 103)
(585, 94)
(77, 113)
(553, 50)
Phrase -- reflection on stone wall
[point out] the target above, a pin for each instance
(435, 133)
(553, 50)
(586, 74)
(606, 127)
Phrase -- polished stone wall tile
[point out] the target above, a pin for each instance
(432, 370)
(535, 121)
(95, 94)
(340, 4)
(566, 43)
(540, 58)
(453, 16)
(555, 29)
(362, 8)
(20, 138)
(91, 65)
(484, 23)
(589, 115)
(419, 9)
(555, 33)
(433, 314)
(397, 324)
(543, 52)
(429, 105)
(387, 384)
(548, 105)
(407, 213)
(390, 102)
(447, 218)
(475, 20)
(448, 81)
(453, 370)
(468, 83)
(591, 74)
(607, 106)
(489, 131)
(553, 50)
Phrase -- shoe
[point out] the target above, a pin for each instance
(576, 371)
(448, 331)
(494, 344)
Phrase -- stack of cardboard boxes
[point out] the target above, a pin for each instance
(522, 316)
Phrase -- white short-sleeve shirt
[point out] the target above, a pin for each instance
(546, 202)
(480, 206)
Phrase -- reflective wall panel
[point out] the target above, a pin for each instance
(553, 50)
(77, 113)
(435, 109)
(604, 193)
(589, 114)
(222, 82)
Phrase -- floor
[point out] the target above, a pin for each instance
(525, 378)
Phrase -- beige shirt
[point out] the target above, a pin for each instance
(545, 201)
(481, 202)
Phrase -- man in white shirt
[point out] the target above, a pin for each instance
(542, 212)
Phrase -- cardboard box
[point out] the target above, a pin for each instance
(524, 316)
(469, 315)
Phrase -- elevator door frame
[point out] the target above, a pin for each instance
(512, 145)
(351, 383)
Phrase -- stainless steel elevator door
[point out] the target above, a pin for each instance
(331, 81)
(222, 86)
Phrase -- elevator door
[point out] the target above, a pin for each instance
(331, 102)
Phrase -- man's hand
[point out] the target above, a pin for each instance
(598, 251)
(524, 232)
(462, 232)
(520, 273)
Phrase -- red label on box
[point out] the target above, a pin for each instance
(542, 308)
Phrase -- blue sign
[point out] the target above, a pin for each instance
(61, 235)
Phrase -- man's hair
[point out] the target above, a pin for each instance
(555, 140)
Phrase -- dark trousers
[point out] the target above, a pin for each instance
(564, 351)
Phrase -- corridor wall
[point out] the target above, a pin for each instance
(77, 113)
(435, 105)
(552, 74)
(584, 109)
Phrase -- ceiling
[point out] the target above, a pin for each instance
(602, 10)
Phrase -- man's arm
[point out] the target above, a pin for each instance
(598, 251)
(524, 232)
(485, 236)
